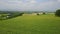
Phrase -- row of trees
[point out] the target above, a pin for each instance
(42, 13)
(57, 13)
(12, 15)
(9, 15)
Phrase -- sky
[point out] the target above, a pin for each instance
(29, 5)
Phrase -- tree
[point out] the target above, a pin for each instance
(57, 13)
(37, 13)
(21, 14)
(43, 12)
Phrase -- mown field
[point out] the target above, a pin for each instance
(31, 24)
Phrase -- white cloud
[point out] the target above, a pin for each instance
(30, 1)
(28, 5)
(58, 0)
(33, 1)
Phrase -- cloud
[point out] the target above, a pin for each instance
(33, 1)
(58, 0)
(28, 5)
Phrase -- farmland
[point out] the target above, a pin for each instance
(31, 24)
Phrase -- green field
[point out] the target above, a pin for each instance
(31, 24)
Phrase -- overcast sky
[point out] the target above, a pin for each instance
(29, 5)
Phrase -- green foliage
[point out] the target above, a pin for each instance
(37, 13)
(57, 13)
(44, 13)
(3, 16)
(10, 15)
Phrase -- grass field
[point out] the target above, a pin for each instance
(31, 24)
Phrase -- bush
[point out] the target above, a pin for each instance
(43, 12)
(37, 13)
(57, 13)
(21, 14)
(3, 16)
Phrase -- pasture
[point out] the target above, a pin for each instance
(31, 24)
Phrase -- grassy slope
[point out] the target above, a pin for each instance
(43, 24)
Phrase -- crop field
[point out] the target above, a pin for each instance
(31, 24)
